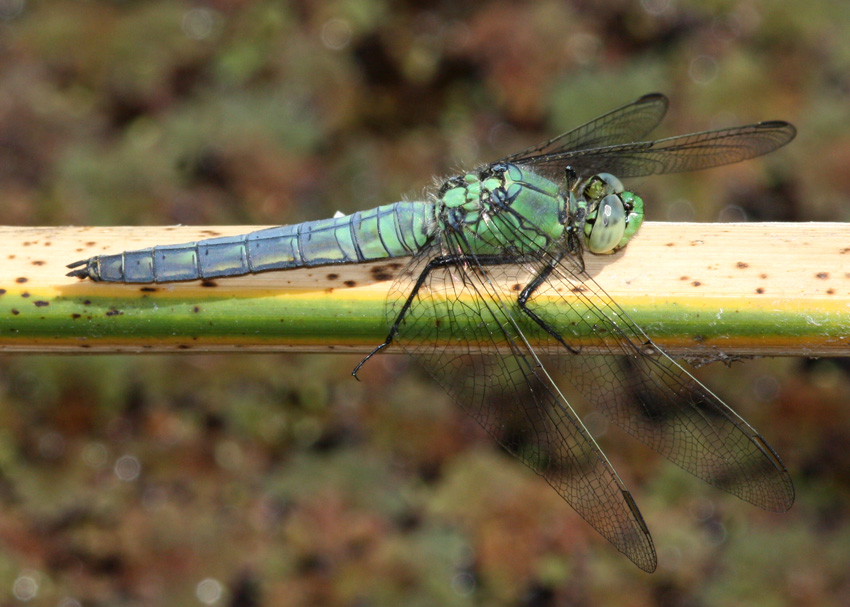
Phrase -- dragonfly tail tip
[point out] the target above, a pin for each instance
(80, 272)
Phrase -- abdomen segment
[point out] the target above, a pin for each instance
(393, 230)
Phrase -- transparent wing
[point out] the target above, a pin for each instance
(453, 317)
(670, 155)
(645, 392)
(658, 402)
(631, 122)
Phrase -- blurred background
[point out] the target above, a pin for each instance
(279, 480)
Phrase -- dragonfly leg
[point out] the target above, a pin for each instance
(435, 263)
(529, 290)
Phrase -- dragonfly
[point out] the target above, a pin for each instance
(528, 220)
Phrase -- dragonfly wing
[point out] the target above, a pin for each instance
(673, 154)
(450, 325)
(655, 399)
(631, 122)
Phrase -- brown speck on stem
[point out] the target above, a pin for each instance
(381, 273)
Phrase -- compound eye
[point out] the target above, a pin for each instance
(608, 226)
(615, 184)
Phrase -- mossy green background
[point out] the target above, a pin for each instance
(279, 480)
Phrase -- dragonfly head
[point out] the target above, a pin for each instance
(611, 215)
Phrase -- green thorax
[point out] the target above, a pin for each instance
(506, 208)
(503, 208)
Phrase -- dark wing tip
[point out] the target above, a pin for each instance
(781, 494)
(657, 99)
(786, 128)
(788, 497)
(661, 97)
(649, 566)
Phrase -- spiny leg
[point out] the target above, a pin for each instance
(436, 262)
(529, 290)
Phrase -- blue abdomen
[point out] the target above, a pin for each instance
(393, 230)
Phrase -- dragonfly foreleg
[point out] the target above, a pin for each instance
(529, 290)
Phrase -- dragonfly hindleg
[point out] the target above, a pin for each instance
(437, 262)
(433, 264)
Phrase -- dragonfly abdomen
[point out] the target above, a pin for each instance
(393, 230)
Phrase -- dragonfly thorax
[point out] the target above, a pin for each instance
(509, 208)
(503, 208)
